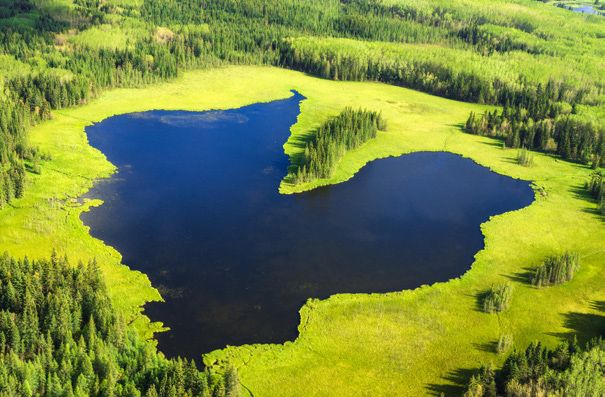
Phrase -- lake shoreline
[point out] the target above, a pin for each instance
(267, 253)
(43, 220)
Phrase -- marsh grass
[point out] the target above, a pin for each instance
(348, 342)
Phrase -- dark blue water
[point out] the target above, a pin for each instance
(195, 206)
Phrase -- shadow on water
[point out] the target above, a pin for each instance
(195, 206)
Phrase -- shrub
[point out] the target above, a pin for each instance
(498, 298)
(504, 343)
(525, 158)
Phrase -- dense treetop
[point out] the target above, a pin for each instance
(347, 131)
(60, 336)
(543, 65)
(568, 370)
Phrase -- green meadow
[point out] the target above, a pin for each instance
(412, 342)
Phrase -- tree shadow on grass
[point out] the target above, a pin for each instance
(479, 299)
(457, 379)
(584, 326)
(494, 142)
(488, 347)
(598, 305)
(512, 161)
(299, 142)
(524, 276)
(595, 212)
(580, 192)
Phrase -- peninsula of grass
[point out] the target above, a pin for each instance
(413, 342)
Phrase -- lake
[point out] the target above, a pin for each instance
(583, 9)
(195, 206)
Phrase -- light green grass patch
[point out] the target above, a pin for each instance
(109, 36)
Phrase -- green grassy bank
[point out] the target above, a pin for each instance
(403, 343)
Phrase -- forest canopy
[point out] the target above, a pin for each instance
(63, 53)
(347, 131)
(60, 336)
(540, 67)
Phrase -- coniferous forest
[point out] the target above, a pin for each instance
(526, 75)
(567, 370)
(536, 115)
(347, 131)
(60, 336)
(545, 130)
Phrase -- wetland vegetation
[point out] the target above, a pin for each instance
(498, 78)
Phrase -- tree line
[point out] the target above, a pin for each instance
(423, 75)
(347, 131)
(429, 74)
(207, 33)
(543, 128)
(488, 42)
(568, 370)
(367, 19)
(60, 336)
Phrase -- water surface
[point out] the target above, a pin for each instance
(195, 206)
(585, 10)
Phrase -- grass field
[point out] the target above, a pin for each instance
(402, 343)
(110, 36)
